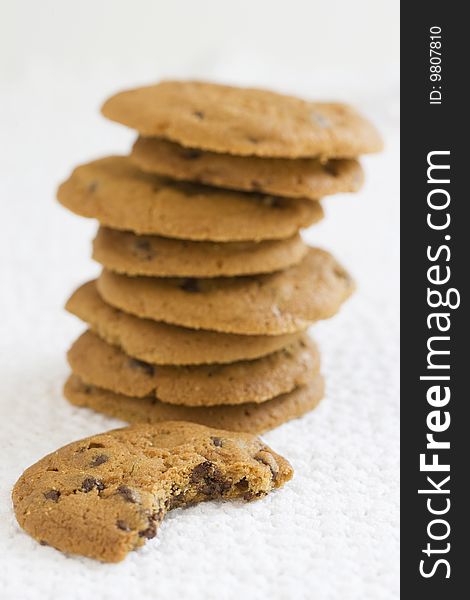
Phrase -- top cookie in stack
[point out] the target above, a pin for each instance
(207, 289)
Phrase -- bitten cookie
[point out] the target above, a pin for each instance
(252, 417)
(273, 304)
(243, 121)
(121, 196)
(298, 178)
(125, 252)
(105, 495)
(100, 364)
(163, 344)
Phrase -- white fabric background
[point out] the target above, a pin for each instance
(332, 532)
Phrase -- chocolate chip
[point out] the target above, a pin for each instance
(43, 543)
(331, 168)
(122, 525)
(142, 244)
(242, 485)
(199, 114)
(201, 471)
(143, 248)
(99, 460)
(215, 487)
(53, 495)
(210, 479)
(190, 153)
(52, 469)
(190, 285)
(128, 494)
(217, 441)
(90, 483)
(153, 521)
(150, 532)
(134, 363)
(95, 445)
(87, 389)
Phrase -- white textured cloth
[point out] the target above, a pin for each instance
(332, 532)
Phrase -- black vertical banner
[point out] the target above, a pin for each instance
(435, 268)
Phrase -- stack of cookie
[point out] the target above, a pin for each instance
(207, 289)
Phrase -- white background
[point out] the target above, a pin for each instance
(331, 533)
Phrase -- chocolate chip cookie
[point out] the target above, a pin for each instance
(163, 344)
(272, 304)
(105, 495)
(98, 363)
(253, 417)
(125, 252)
(243, 121)
(117, 194)
(293, 178)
